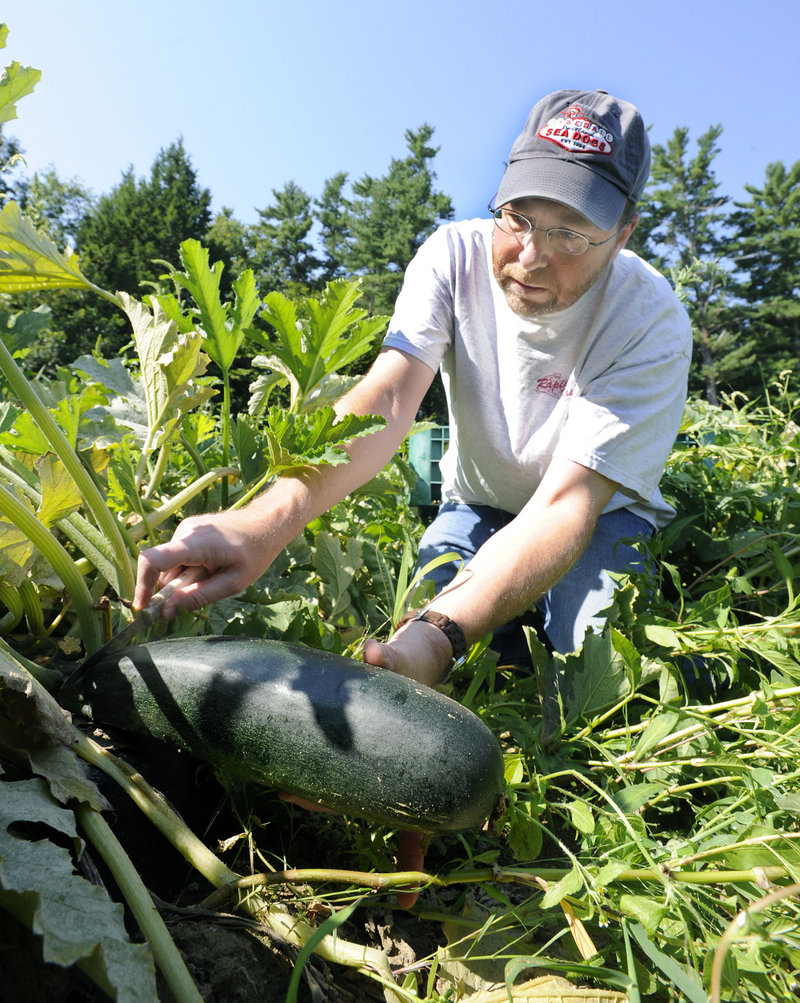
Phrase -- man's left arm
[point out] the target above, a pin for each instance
(508, 574)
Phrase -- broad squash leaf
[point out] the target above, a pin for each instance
(29, 259)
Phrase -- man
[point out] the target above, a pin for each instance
(564, 359)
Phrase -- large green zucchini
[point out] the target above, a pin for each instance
(361, 740)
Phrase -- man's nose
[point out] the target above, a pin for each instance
(533, 248)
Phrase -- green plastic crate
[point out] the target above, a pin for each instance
(425, 450)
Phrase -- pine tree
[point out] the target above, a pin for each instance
(392, 216)
(766, 254)
(682, 232)
(125, 237)
(226, 240)
(335, 215)
(281, 253)
(56, 205)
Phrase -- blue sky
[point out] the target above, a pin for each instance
(296, 90)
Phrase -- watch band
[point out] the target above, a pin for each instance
(450, 629)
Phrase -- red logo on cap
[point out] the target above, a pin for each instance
(575, 132)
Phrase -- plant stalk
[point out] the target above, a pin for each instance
(93, 499)
(59, 560)
(141, 905)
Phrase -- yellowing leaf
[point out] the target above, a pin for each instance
(16, 554)
(30, 260)
(60, 495)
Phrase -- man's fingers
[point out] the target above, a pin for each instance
(147, 575)
(304, 803)
(410, 857)
(383, 656)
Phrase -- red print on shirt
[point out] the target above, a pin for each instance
(554, 384)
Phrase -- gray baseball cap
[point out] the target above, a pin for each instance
(584, 149)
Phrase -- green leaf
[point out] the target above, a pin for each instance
(298, 440)
(686, 980)
(609, 872)
(224, 329)
(570, 884)
(582, 817)
(660, 725)
(249, 451)
(513, 768)
(764, 852)
(113, 375)
(260, 390)
(29, 259)
(525, 832)
(664, 636)
(246, 301)
(645, 909)
(631, 799)
(170, 362)
(24, 328)
(316, 338)
(336, 569)
(16, 82)
(579, 685)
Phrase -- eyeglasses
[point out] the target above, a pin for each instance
(560, 239)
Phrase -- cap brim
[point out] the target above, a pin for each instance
(571, 184)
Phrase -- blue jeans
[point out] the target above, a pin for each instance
(573, 604)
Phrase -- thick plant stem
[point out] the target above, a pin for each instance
(177, 502)
(93, 499)
(168, 823)
(59, 560)
(366, 959)
(151, 924)
(522, 875)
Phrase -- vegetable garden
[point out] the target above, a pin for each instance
(648, 843)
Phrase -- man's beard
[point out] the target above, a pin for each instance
(556, 296)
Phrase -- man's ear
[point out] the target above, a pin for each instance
(628, 229)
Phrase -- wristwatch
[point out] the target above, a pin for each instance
(450, 629)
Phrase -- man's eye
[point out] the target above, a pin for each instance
(569, 239)
(515, 222)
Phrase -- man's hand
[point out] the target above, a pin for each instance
(419, 650)
(231, 547)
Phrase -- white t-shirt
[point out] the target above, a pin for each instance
(602, 383)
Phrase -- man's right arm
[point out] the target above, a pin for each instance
(230, 550)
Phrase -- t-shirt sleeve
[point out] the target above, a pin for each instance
(422, 323)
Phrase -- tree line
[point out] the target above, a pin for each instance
(736, 264)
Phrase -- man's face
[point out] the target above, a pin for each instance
(535, 278)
